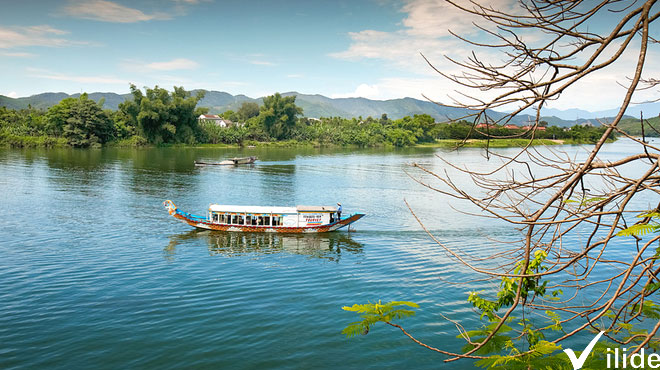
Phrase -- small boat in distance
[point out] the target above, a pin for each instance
(228, 162)
(300, 219)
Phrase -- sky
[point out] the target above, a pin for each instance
(358, 48)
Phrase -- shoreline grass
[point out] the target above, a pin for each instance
(482, 143)
(18, 141)
(26, 141)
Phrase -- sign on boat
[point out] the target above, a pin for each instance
(299, 219)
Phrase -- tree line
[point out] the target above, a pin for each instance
(157, 116)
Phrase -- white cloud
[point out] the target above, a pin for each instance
(12, 94)
(18, 54)
(395, 87)
(432, 18)
(295, 75)
(172, 65)
(108, 11)
(402, 50)
(424, 30)
(363, 91)
(262, 63)
(43, 35)
(49, 75)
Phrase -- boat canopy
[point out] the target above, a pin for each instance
(316, 209)
(265, 210)
(251, 209)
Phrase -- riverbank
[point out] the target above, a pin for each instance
(18, 141)
(494, 143)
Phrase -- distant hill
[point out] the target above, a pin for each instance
(632, 126)
(219, 101)
(651, 109)
(321, 106)
(46, 100)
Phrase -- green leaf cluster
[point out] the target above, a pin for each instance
(649, 224)
(585, 201)
(509, 287)
(371, 313)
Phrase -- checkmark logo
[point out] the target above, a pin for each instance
(578, 362)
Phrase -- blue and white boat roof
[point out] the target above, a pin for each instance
(222, 208)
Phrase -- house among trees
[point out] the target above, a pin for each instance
(529, 127)
(214, 118)
(511, 127)
(485, 125)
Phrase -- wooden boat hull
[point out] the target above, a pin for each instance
(205, 224)
(228, 162)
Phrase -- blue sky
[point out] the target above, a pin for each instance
(367, 48)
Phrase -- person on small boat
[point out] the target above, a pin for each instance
(338, 211)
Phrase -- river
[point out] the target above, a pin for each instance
(95, 274)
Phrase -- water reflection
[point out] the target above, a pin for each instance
(277, 169)
(78, 170)
(328, 246)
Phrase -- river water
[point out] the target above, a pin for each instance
(95, 274)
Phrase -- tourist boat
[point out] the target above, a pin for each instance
(228, 162)
(300, 219)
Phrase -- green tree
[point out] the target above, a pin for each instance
(57, 116)
(125, 118)
(384, 120)
(24, 122)
(230, 115)
(247, 110)
(82, 121)
(278, 115)
(400, 137)
(161, 116)
(421, 126)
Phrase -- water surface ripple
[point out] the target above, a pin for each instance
(95, 274)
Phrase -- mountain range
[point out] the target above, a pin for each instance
(321, 106)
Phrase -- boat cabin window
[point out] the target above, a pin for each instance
(224, 219)
(241, 220)
(215, 217)
(266, 220)
(234, 219)
(277, 220)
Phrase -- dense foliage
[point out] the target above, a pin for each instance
(78, 122)
(161, 116)
(157, 116)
